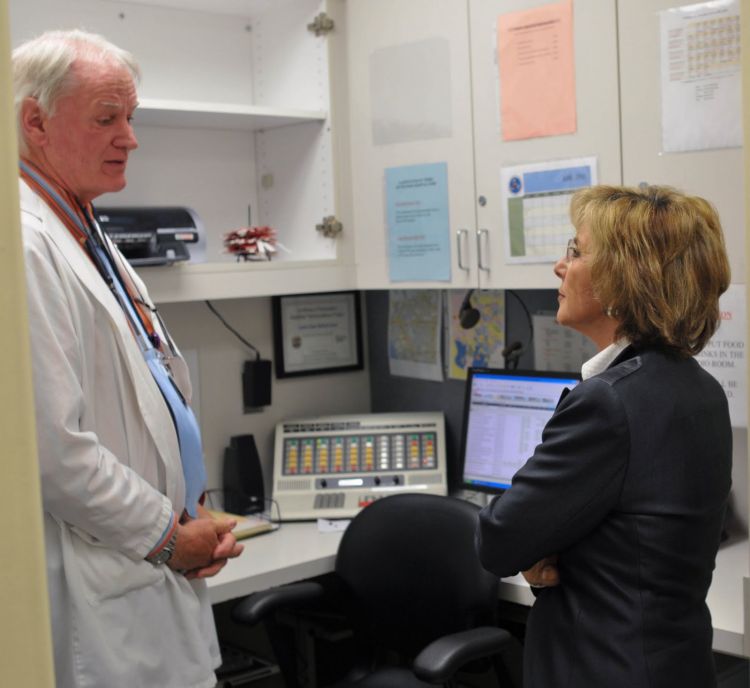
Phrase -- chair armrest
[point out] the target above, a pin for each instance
(442, 658)
(257, 606)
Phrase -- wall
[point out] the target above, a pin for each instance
(394, 393)
(220, 360)
(25, 634)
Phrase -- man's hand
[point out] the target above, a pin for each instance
(224, 546)
(228, 548)
(197, 539)
(544, 573)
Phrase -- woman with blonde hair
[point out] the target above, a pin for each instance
(616, 519)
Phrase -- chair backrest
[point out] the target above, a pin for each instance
(410, 565)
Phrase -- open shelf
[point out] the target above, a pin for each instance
(176, 113)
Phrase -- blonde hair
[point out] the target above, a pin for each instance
(658, 263)
(42, 67)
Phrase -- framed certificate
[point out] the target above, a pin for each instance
(317, 333)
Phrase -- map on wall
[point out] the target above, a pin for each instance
(482, 345)
(414, 330)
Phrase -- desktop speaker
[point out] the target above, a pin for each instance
(243, 478)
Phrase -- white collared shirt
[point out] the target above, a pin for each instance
(603, 359)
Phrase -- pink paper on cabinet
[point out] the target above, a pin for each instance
(537, 72)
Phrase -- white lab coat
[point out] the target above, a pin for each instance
(111, 476)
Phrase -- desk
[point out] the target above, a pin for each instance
(298, 550)
(293, 552)
(725, 597)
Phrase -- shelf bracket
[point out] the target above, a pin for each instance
(330, 227)
(321, 25)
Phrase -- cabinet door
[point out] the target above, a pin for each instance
(715, 174)
(410, 97)
(596, 133)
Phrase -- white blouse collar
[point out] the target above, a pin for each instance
(603, 359)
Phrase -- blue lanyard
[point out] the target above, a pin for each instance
(186, 425)
(188, 431)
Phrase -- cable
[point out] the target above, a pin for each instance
(512, 353)
(276, 520)
(232, 330)
(267, 512)
(210, 497)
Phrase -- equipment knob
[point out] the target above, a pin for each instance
(324, 483)
(395, 480)
(377, 480)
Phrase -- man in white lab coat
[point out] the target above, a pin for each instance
(127, 541)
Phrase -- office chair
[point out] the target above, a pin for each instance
(419, 602)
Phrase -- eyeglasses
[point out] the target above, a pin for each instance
(572, 250)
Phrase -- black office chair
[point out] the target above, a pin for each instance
(419, 602)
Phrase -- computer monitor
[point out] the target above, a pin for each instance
(505, 412)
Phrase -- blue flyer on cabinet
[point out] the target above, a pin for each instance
(417, 215)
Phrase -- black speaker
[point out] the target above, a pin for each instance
(256, 384)
(243, 479)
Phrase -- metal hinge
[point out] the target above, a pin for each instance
(322, 24)
(330, 227)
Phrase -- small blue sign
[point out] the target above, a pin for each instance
(418, 228)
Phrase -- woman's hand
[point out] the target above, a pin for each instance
(544, 573)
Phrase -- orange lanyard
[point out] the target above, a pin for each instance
(79, 220)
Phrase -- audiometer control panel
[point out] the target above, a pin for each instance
(330, 467)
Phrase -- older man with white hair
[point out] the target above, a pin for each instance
(127, 540)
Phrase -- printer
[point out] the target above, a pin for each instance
(151, 235)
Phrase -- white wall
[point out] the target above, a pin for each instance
(25, 639)
(220, 359)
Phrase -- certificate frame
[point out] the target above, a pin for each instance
(317, 333)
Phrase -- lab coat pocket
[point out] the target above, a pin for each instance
(106, 573)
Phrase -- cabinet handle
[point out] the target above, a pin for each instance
(459, 248)
(480, 252)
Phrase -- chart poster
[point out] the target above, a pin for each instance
(701, 76)
(482, 345)
(536, 202)
(557, 347)
(418, 229)
(724, 356)
(537, 72)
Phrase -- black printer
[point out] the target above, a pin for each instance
(151, 235)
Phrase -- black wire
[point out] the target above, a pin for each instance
(529, 321)
(232, 330)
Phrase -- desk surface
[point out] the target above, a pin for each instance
(298, 550)
(293, 552)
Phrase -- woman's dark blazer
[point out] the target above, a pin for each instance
(629, 487)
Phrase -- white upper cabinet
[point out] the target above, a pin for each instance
(240, 102)
(472, 146)
(410, 93)
(596, 128)
(716, 174)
